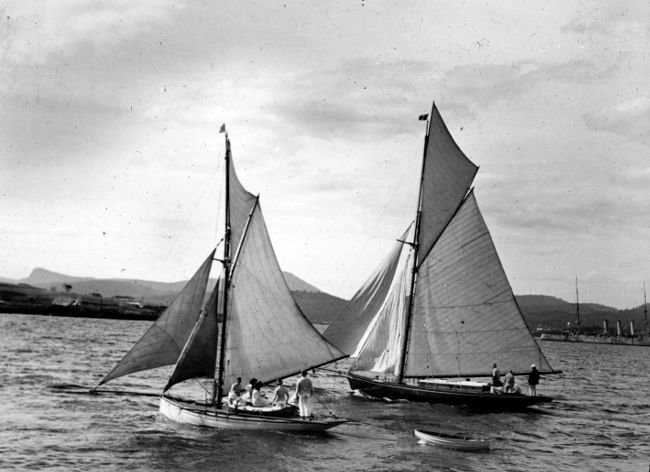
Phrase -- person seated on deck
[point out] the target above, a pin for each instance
(234, 396)
(509, 381)
(257, 399)
(247, 396)
(281, 395)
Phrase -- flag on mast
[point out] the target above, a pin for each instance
(223, 128)
(423, 117)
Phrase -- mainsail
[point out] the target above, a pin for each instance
(458, 314)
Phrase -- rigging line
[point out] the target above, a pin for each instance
(82, 390)
(320, 400)
(372, 232)
(339, 372)
(219, 200)
(203, 189)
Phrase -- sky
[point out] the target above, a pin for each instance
(111, 161)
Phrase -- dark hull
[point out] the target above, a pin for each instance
(479, 400)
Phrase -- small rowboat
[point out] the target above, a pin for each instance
(452, 441)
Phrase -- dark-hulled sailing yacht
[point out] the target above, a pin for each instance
(439, 310)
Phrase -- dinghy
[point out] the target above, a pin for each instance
(452, 441)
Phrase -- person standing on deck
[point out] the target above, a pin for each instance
(496, 376)
(304, 391)
(533, 380)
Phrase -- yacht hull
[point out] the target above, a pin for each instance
(481, 400)
(194, 414)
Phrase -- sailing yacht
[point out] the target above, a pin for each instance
(439, 310)
(263, 333)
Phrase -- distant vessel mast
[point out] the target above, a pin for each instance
(577, 308)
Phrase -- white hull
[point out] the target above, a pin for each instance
(450, 441)
(186, 413)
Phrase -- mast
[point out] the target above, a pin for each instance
(645, 311)
(218, 393)
(577, 308)
(414, 245)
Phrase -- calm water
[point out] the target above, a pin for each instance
(600, 421)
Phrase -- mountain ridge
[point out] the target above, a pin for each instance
(541, 312)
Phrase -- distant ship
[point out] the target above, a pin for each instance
(631, 339)
(599, 339)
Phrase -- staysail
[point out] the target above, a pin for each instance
(380, 348)
(351, 323)
(163, 342)
(268, 335)
(199, 356)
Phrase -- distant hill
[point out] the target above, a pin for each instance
(551, 313)
(298, 285)
(316, 305)
(540, 311)
(319, 307)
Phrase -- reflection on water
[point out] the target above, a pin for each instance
(600, 421)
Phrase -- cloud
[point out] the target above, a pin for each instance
(358, 98)
(480, 85)
(36, 31)
(363, 98)
(630, 119)
(607, 21)
(31, 124)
